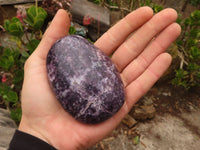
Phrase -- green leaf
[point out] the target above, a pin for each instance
(195, 15)
(32, 45)
(16, 53)
(15, 27)
(187, 22)
(193, 67)
(192, 42)
(8, 94)
(188, 45)
(181, 73)
(194, 33)
(6, 24)
(6, 59)
(72, 30)
(18, 76)
(175, 81)
(194, 53)
(15, 20)
(12, 96)
(7, 52)
(157, 8)
(25, 54)
(31, 13)
(179, 20)
(23, 60)
(3, 89)
(194, 2)
(6, 63)
(36, 17)
(16, 114)
(198, 75)
(136, 140)
(147, 2)
(95, 1)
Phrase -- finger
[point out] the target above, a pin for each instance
(58, 28)
(133, 46)
(139, 87)
(156, 47)
(144, 82)
(109, 41)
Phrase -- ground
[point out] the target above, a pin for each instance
(174, 127)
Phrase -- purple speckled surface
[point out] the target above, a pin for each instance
(84, 80)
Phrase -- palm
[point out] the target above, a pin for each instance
(139, 63)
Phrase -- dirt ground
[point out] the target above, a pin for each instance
(176, 125)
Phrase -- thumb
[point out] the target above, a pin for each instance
(58, 28)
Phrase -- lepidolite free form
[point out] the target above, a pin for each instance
(84, 80)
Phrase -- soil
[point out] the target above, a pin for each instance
(174, 100)
(175, 125)
(177, 120)
(8, 12)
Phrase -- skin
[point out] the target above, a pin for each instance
(138, 42)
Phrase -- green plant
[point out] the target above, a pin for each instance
(156, 8)
(26, 31)
(72, 30)
(14, 27)
(32, 22)
(11, 63)
(194, 2)
(128, 5)
(136, 140)
(11, 97)
(188, 74)
(96, 1)
(35, 17)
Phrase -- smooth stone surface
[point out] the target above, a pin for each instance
(84, 80)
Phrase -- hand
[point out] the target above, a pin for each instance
(138, 42)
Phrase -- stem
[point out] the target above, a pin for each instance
(1, 27)
(132, 3)
(184, 5)
(139, 3)
(26, 34)
(36, 5)
(102, 3)
(7, 105)
(116, 7)
(119, 4)
(22, 41)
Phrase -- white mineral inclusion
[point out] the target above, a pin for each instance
(85, 81)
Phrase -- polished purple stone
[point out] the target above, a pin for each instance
(85, 81)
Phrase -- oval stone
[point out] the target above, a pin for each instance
(85, 81)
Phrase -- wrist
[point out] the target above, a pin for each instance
(24, 141)
(29, 129)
